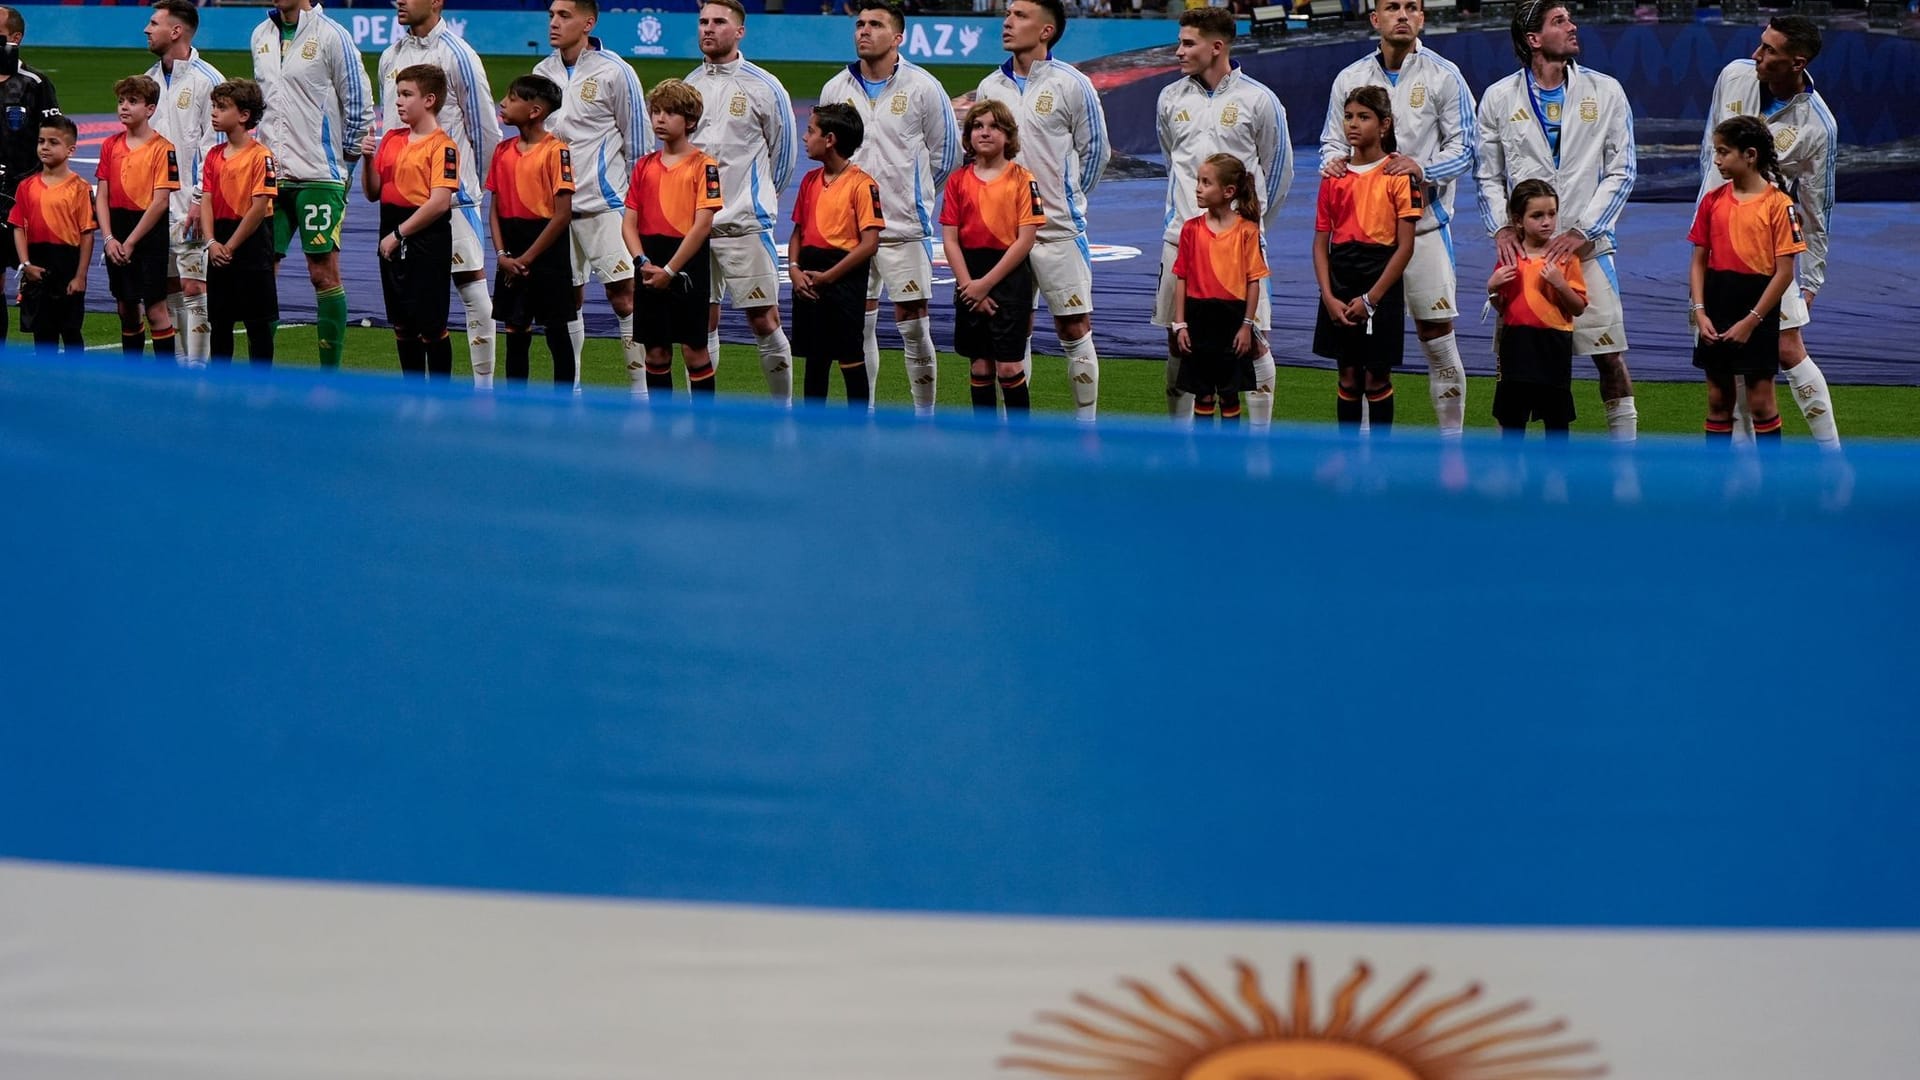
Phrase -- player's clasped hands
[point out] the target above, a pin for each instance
(118, 252)
(219, 254)
(517, 266)
(976, 294)
(803, 283)
(654, 276)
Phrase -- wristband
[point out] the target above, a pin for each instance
(1177, 327)
(1368, 303)
(1698, 307)
(1250, 322)
(1756, 315)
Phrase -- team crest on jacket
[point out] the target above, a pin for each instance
(737, 106)
(899, 106)
(184, 101)
(1417, 96)
(310, 50)
(589, 90)
(1589, 111)
(1230, 116)
(1783, 138)
(1043, 105)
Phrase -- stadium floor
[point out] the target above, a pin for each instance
(1867, 328)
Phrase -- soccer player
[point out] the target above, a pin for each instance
(1064, 132)
(415, 173)
(240, 182)
(27, 99)
(836, 229)
(53, 226)
(1556, 121)
(185, 118)
(1434, 125)
(309, 68)
(469, 118)
(1216, 108)
(603, 121)
(988, 224)
(138, 173)
(912, 145)
(531, 178)
(1774, 85)
(676, 192)
(747, 126)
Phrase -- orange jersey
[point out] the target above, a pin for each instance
(1219, 266)
(1746, 237)
(990, 213)
(524, 182)
(1528, 300)
(232, 179)
(133, 174)
(53, 213)
(1366, 205)
(411, 168)
(834, 216)
(668, 196)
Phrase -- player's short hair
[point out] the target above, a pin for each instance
(537, 88)
(1211, 21)
(1525, 192)
(1002, 118)
(1528, 18)
(1802, 34)
(676, 98)
(739, 10)
(13, 22)
(242, 94)
(427, 79)
(63, 124)
(1422, 4)
(184, 12)
(1056, 14)
(139, 88)
(892, 9)
(1376, 100)
(589, 8)
(842, 121)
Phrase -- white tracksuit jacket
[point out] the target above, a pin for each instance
(1239, 117)
(1063, 138)
(747, 125)
(912, 144)
(468, 116)
(603, 120)
(1433, 122)
(319, 99)
(1597, 164)
(1809, 145)
(185, 117)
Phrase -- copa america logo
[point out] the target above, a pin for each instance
(649, 31)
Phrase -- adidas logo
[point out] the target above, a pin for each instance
(1442, 305)
(620, 267)
(912, 287)
(924, 380)
(1519, 115)
(634, 365)
(1181, 117)
(1816, 412)
(1074, 300)
(1450, 392)
(1605, 339)
(457, 260)
(782, 366)
(1083, 378)
(757, 294)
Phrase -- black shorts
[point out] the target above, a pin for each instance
(417, 282)
(1213, 367)
(1729, 297)
(46, 307)
(1001, 336)
(832, 328)
(544, 297)
(1515, 404)
(244, 289)
(1354, 269)
(143, 278)
(677, 314)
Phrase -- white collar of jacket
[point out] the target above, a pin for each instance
(1226, 81)
(1766, 95)
(411, 40)
(1006, 68)
(300, 21)
(729, 68)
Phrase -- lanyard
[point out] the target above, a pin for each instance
(1533, 99)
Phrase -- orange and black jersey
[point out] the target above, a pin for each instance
(990, 213)
(1528, 300)
(524, 182)
(133, 173)
(667, 196)
(1365, 206)
(53, 213)
(231, 179)
(1746, 237)
(834, 215)
(1219, 266)
(411, 168)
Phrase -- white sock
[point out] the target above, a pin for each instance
(199, 331)
(1742, 419)
(923, 363)
(713, 348)
(1179, 402)
(776, 360)
(1083, 374)
(1026, 361)
(480, 331)
(635, 355)
(577, 332)
(1815, 400)
(177, 311)
(1260, 399)
(1447, 383)
(870, 352)
(1623, 422)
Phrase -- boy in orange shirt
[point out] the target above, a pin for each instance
(670, 206)
(53, 226)
(238, 183)
(416, 170)
(837, 227)
(532, 208)
(138, 169)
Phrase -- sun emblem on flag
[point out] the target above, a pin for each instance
(1156, 1037)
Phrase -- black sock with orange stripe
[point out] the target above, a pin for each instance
(700, 381)
(1718, 430)
(980, 389)
(1230, 407)
(1346, 406)
(163, 344)
(1380, 409)
(859, 390)
(1016, 392)
(1768, 428)
(133, 342)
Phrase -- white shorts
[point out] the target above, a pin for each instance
(1063, 276)
(187, 260)
(1163, 297)
(1794, 312)
(1429, 278)
(746, 269)
(904, 269)
(1601, 330)
(468, 255)
(597, 248)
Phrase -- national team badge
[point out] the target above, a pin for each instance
(1043, 105)
(1230, 116)
(737, 106)
(589, 90)
(1784, 137)
(1553, 113)
(1417, 96)
(1736, 107)
(184, 101)
(899, 106)
(310, 50)
(1589, 111)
